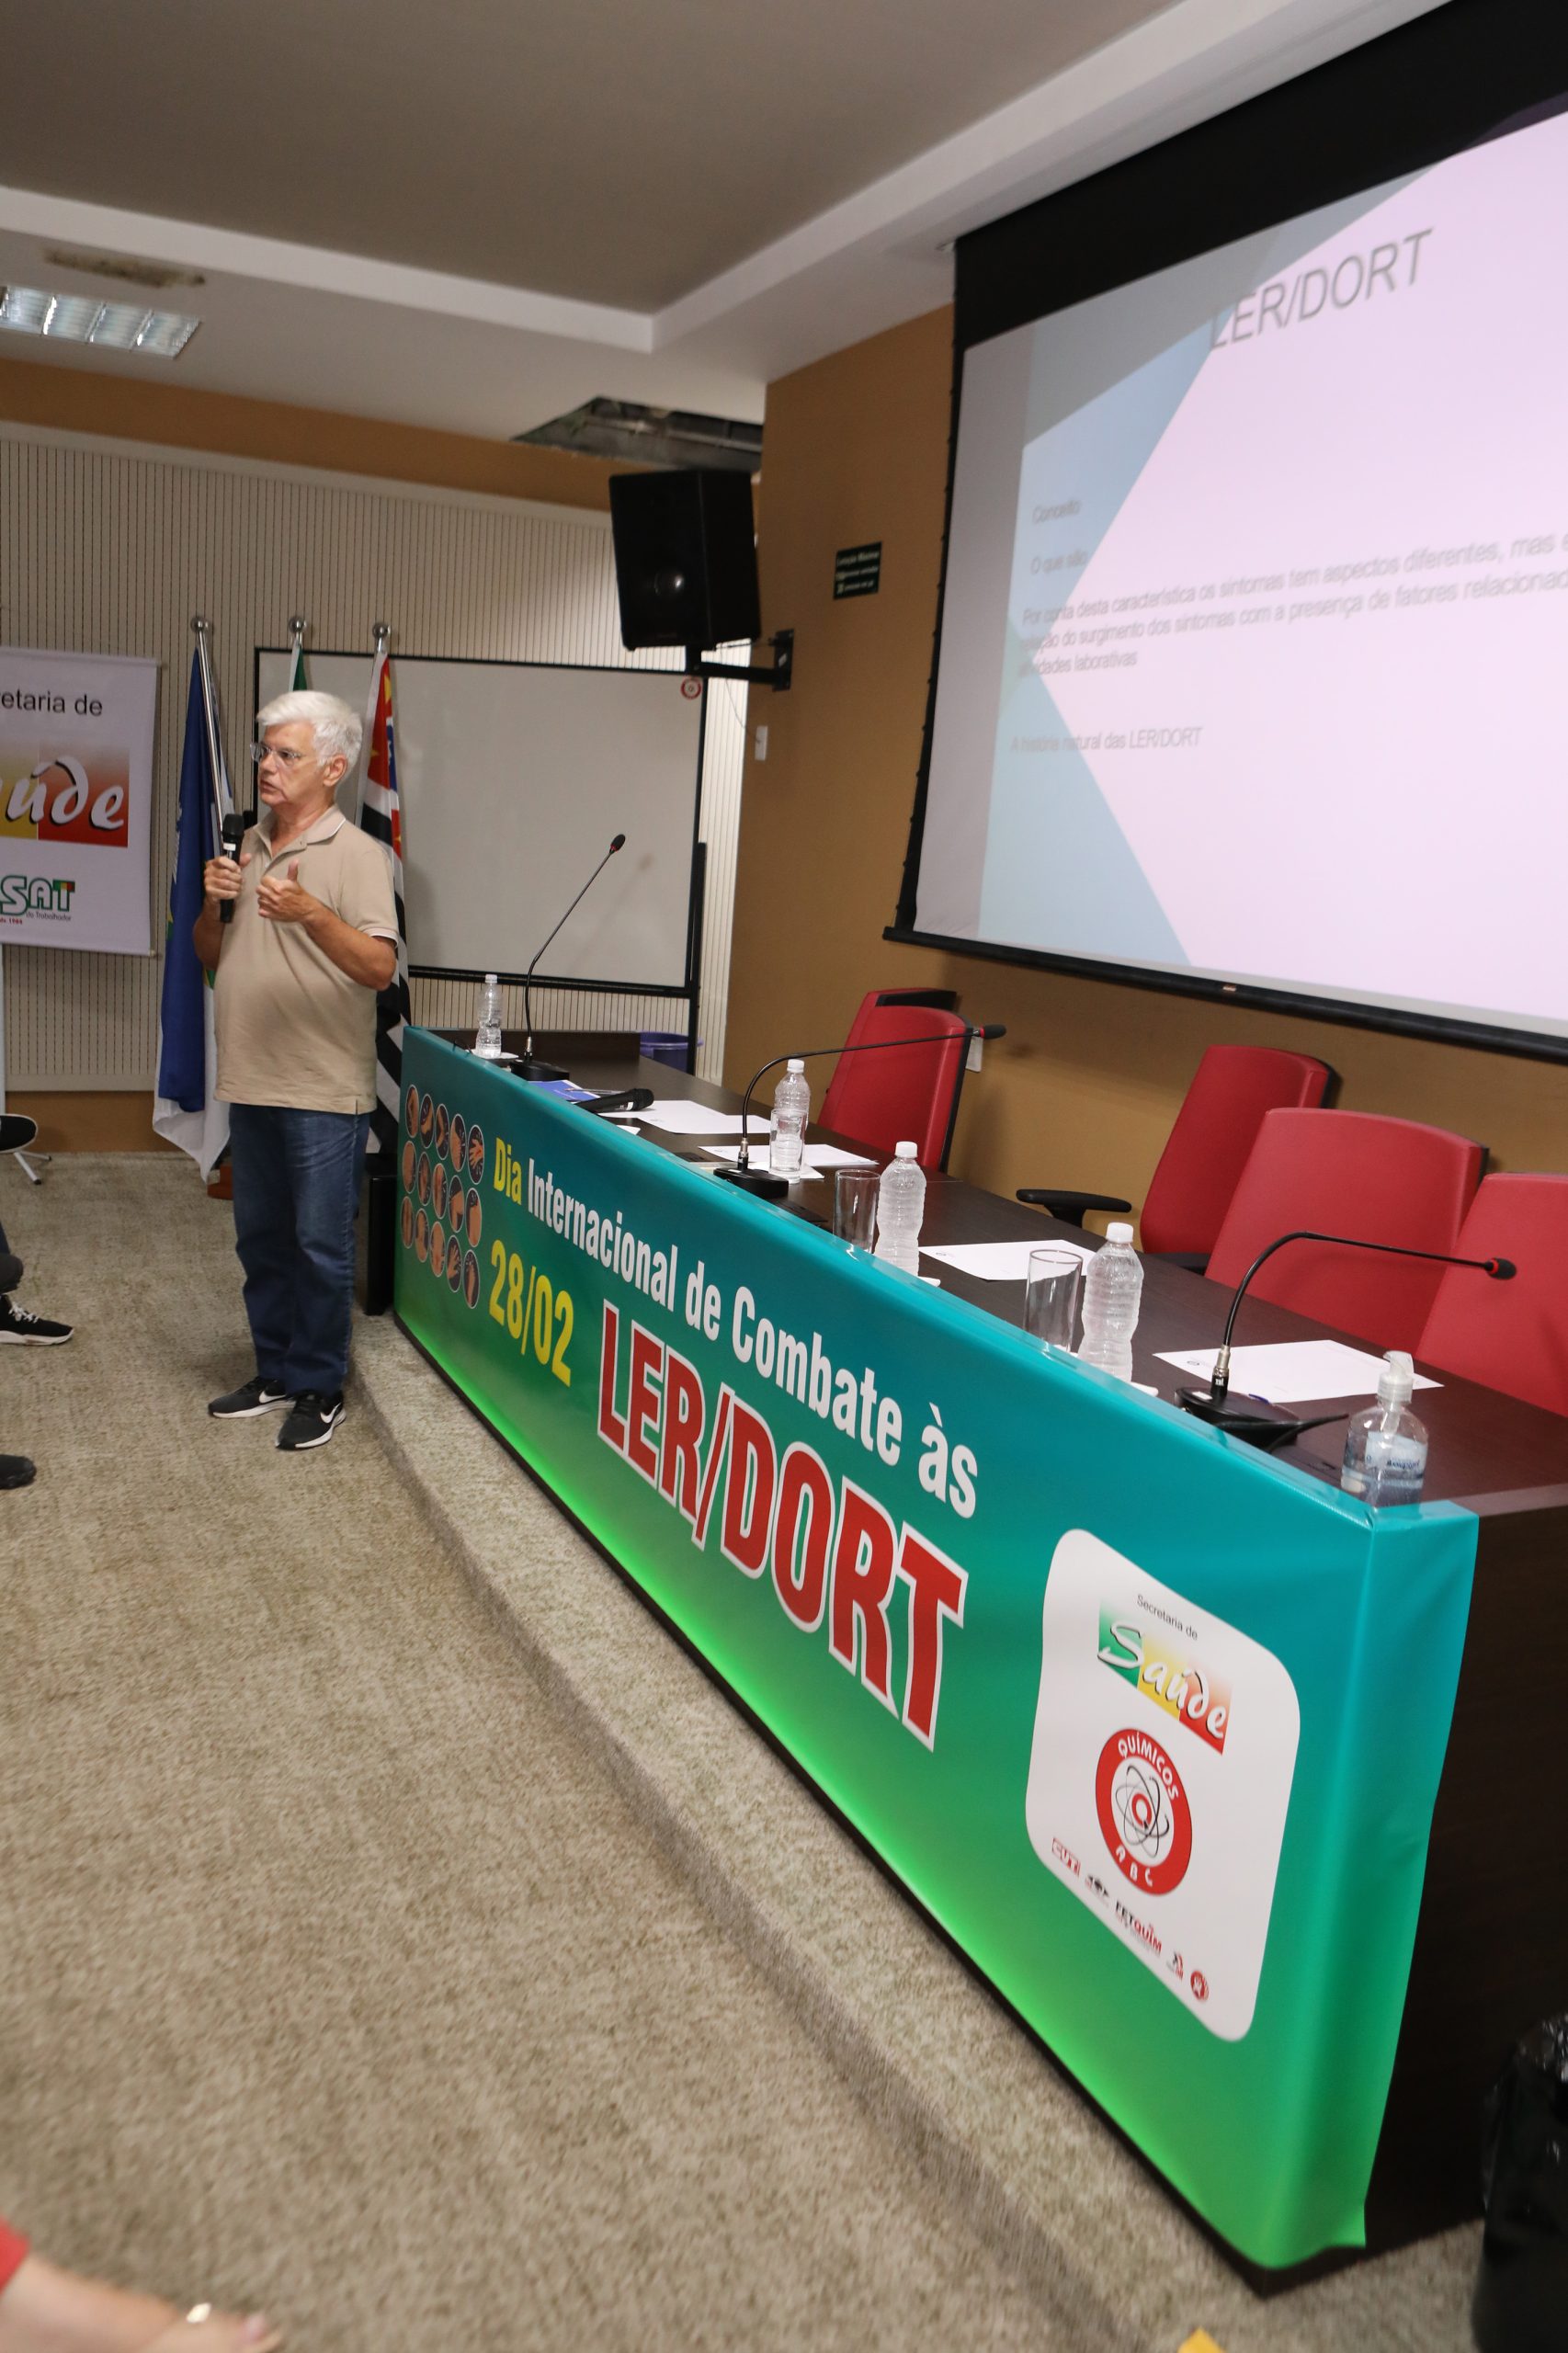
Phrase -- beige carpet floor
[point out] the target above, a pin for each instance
(341, 1968)
(332, 1973)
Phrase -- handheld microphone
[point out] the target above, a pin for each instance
(1264, 1427)
(630, 1098)
(762, 1182)
(526, 1065)
(234, 832)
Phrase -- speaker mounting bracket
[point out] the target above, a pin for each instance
(753, 675)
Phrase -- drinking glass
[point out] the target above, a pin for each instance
(855, 1204)
(1051, 1301)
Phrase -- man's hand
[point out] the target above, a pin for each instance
(221, 876)
(286, 902)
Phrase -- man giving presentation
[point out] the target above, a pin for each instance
(311, 940)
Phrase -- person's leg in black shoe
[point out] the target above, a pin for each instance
(324, 1151)
(19, 1325)
(265, 1240)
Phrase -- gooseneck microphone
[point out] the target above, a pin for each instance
(1262, 1426)
(762, 1182)
(234, 832)
(528, 1065)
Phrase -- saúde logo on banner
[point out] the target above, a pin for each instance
(58, 799)
(1164, 1749)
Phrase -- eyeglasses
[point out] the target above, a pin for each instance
(287, 760)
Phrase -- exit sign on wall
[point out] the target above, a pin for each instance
(858, 572)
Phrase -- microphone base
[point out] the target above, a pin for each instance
(1258, 1424)
(530, 1067)
(761, 1183)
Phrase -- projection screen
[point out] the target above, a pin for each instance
(1255, 610)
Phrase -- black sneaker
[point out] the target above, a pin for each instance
(26, 1330)
(312, 1422)
(15, 1471)
(257, 1396)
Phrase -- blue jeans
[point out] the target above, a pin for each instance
(296, 1191)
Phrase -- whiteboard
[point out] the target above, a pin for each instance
(514, 777)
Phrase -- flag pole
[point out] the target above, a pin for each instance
(382, 632)
(297, 628)
(220, 793)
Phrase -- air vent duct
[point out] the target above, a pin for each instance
(653, 436)
(124, 269)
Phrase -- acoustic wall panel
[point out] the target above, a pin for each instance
(112, 547)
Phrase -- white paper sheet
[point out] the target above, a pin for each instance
(678, 1115)
(759, 1161)
(832, 1155)
(997, 1262)
(1293, 1372)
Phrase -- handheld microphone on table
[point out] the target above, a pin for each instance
(762, 1182)
(234, 832)
(629, 1098)
(528, 1065)
(1261, 1425)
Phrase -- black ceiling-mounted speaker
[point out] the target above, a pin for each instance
(685, 558)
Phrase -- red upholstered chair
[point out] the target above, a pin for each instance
(1207, 1149)
(1508, 1336)
(946, 999)
(1355, 1173)
(879, 1098)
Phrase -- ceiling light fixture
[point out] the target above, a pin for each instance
(82, 318)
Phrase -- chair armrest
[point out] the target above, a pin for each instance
(1195, 1262)
(1068, 1207)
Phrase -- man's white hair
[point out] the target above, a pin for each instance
(338, 728)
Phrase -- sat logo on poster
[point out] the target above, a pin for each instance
(1164, 1749)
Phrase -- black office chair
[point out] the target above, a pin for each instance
(17, 1134)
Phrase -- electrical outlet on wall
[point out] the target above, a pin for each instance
(762, 743)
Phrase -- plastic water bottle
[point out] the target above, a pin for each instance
(901, 1204)
(1113, 1289)
(487, 1021)
(1385, 1446)
(787, 1127)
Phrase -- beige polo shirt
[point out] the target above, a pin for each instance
(292, 1030)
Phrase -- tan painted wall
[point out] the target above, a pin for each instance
(70, 400)
(90, 1119)
(1084, 1089)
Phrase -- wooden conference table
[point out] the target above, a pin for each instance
(1491, 1951)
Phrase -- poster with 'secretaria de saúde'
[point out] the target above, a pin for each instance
(75, 799)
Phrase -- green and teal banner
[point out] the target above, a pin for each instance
(1151, 1723)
